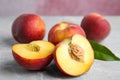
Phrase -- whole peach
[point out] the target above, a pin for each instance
(63, 30)
(96, 27)
(28, 27)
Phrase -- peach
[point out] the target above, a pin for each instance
(28, 27)
(74, 56)
(63, 30)
(96, 27)
(35, 55)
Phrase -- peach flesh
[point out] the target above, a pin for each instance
(80, 62)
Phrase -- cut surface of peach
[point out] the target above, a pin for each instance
(75, 56)
(34, 50)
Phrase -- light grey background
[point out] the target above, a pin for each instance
(101, 70)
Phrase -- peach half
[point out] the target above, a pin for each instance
(33, 56)
(74, 56)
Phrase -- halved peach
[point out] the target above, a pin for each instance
(35, 55)
(74, 56)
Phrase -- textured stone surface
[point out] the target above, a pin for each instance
(101, 70)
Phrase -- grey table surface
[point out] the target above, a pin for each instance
(101, 70)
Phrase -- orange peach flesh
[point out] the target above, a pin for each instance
(34, 50)
(70, 65)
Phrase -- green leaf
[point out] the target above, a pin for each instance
(103, 53)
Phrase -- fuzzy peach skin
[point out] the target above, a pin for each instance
(96, 27)
(64, 30)
(32, 64)
(28, 27)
